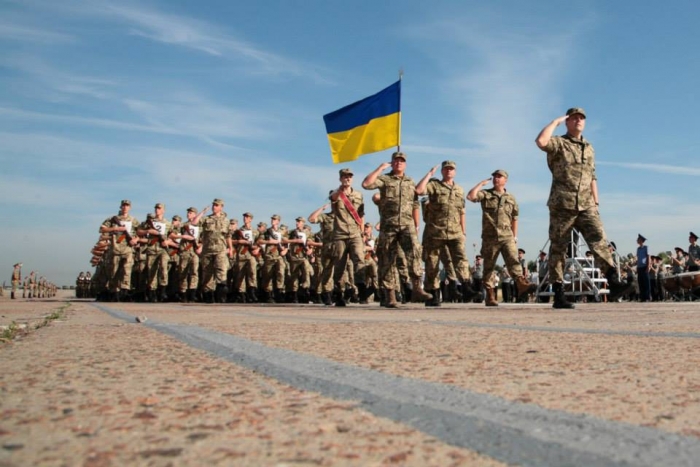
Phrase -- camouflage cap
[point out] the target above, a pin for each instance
(342, 172)
(177, 218)
(398, 155)
(159, 205)
(149, 216)
(218, 201)
(247, 214)
(233, 221)
(275, 216)
(125, 201)
(500, 172)
(300, 219)
(452, 164)
(368, 224)
(576, 110)
(192, 209)
(262, 224)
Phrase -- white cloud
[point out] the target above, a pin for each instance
(657, 168)
(26, 33)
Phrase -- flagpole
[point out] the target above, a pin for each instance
(398, 137)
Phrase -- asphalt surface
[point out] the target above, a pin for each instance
(605, 384)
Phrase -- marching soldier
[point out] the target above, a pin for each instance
(325, 261)
(157, 231)
(244, 241)
(188, 267)
(122, 230)
(274, 268)
(217, 250)
(16, 279)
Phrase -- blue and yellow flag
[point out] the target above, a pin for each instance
(370, 125)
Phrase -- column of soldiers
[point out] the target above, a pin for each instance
(33, 285)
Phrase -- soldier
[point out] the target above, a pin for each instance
(478, 277)
(445, 228)
(573, 202)
(122, 230)
(16, 279)
(273, 269)
(399, 223)
(370, 261)
(217, 250)
(693, 253)
(247, 250)
(326, 221)
(499, 233)
(188, 266)
(643, 269)
(157, 230)
(32, 285)
(348, 220)
(299, 278)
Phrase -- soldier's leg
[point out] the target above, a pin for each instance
(561, 221)
(387, 252)
(589, 224)
(431, 254)
(207, 264)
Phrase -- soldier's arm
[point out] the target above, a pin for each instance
(372, 177)
(514, 227)
(422, 185)
(313, 217)
(472, 195)
(545, 135)
(594, 191)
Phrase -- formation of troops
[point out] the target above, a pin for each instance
(211, 258)
(33, 285)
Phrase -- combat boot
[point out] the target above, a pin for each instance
(362, 291)
(326, 298)
(12, 295)
(338, 297)
(525, 288)
(391, 299)
(560, 301)
(418, 294)
(435, 301)
(617, 288)
(491, 296)
(252, 297)
(191, 295)
(221, 293)
(468, 293)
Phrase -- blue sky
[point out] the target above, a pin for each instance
(181, 102)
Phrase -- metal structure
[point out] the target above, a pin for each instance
(581, 276)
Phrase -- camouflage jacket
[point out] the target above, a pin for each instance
(398, 198)
(572, 163)
(499, 211)
(444, 210)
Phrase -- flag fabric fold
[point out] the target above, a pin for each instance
(366, 126)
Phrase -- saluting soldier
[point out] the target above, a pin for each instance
(16, 279)
(499, 233)
(445, 228)
(399, 223)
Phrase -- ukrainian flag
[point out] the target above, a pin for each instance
(370, 125)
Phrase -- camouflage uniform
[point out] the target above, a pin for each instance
(299, 277)
(325, 266)
(122, 253)
(16, 279)
(157, 257)
(188, 266)
(443, 229)
(273, 270)
(499, 210)
(247, 264)
(571, 203)
(215, 239)
(397, 229)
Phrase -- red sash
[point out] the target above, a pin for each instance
(351, 209)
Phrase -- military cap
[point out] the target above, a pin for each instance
(177, 218)
(149, 215)
(159, 205)
(614, 247)
(125, 201)
(479, 257)
(398, 155)
(284, 228)
(342, 172)
(520, 250)
(693, 235)
(452, 164)
(233, 221)
(368, 224)
(192, 209)
(275, 216)
(576, 110)
(500, 172)
(247, 214)
(300, 219)
(218, 201)
(262, 224)
(641, 237)
(679, 249)
(589, 253)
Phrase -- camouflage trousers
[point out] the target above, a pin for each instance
(434, 252)
(273, 273)
(561, 222)
(157, 265)
(327, 268)
(214, 269)
(120, 271)
(391, 241)
(246, 276)
(354, 248)
(299, 274)
(188, 270)
(490, 249)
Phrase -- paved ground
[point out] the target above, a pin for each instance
(605, 384)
